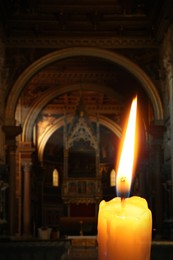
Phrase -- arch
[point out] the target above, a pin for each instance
(48, 96)
(115, 128)
(83, 51)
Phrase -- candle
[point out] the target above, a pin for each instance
(125, 224)
(124, 231)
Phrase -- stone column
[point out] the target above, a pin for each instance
(27, 199)
(65, 163)
(11, 132)
(65, 148)
(98, 151)
(167, 85)
(156, 162)
(26, 153)
(3, 89)
(12, 189)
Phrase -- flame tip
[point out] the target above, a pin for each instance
(126, 164)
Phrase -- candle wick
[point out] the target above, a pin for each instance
(122, 199)
(123, 202)
(123, 179)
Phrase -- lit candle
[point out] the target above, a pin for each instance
(125, 224)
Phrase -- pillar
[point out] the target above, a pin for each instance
(12, 189)
(27, 199)
(11, 132)
(26, 157)
(3, 88)
(167, 85)
(98, 151)
(156, 163)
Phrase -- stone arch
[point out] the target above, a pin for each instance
(83, 51)
(43, 100)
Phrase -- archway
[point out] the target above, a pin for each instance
(43, 100)
(135, 70)
(72, 52)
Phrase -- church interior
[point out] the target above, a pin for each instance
(68, 73)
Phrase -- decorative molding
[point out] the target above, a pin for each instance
(81, 128)
(65, 42)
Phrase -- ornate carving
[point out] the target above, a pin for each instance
(27, 166)
(82, 132)
(81, 128)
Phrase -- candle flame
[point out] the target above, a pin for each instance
(126, 163)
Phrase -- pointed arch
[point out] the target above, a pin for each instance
(115, 128)
(48, 96)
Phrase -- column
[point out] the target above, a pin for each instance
(65, 163)
(26, 151)
(167, 85)
(65, 148)
(3, 89)
(155, 163)
(98, 150)
(27, 199)
(11, 132)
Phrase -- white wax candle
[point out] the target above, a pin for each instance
(124, 229)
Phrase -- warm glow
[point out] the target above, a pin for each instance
(55, 178)
(126, 163)
(113, 178)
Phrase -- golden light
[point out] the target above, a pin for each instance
(126, 163)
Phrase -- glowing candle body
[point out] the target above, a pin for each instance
(124, 231)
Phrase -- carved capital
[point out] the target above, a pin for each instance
(156, 130)
(12, 131)
(168, 67)
(27, 166)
